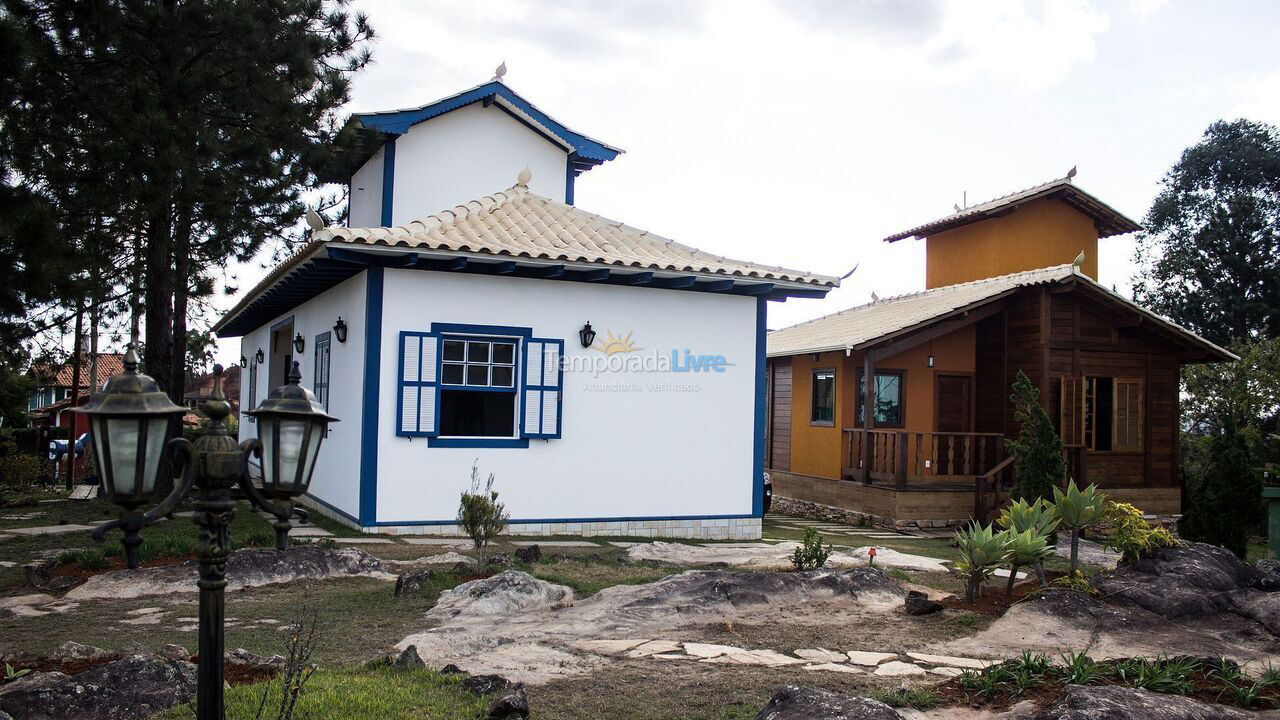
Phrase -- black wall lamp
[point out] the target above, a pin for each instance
(299, 344)
(586, 335)
(340, 330)
(260, 357)
(244, 361)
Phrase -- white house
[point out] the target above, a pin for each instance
(466, 341)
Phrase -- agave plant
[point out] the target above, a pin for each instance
(1025, 548)
(982, 550)
(1078, 510)
(1040, 517)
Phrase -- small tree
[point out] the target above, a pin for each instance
(1039, 518)
(811, 555)
(1223, 503)
(981, 551)
(1079, 509)
(1131, 535)
(1026, 548)
(481, 516)
(1038, 464)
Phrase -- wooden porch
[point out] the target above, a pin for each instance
(940, 461)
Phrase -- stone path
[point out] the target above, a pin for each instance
(49, 529)
(883, 664)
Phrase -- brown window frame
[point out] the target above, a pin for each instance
(860, 399)
(813, 397)
(1088, 416)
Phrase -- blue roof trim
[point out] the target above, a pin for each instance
(589, 151)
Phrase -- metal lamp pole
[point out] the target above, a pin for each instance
(129, 420)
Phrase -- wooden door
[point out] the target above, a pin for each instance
(779, 397)
(953, 413)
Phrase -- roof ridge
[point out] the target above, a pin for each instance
(927, 291)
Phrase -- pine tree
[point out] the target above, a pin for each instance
(1038, 463)
(1222, 504)
(174, 136)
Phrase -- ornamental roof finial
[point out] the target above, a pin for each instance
(500, 72)
(522, 180)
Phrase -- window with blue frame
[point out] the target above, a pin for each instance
(479, 385)
(253, 389)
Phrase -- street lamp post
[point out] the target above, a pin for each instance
(129, 421)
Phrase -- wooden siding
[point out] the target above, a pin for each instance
(779, 414)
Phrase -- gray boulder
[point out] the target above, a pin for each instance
(130, 688)
(1194, 581)
(245, 568)
(506, 594)
(510, 705)
(409, 659)
(1121, 703)
(698, 589)
(528, 554)
(240, 656)
(412, 582)
(485, 684)
(917, 603)
(72, 650)
(800, 703)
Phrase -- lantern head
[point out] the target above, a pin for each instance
(291, 424)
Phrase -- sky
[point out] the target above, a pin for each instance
(802, 132)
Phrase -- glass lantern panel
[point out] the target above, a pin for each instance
(122, 438)
(157, 428)
(266, 431)
(291, 434)
(317, 434)
(99, 437)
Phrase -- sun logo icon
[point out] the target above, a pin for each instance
(614, 344)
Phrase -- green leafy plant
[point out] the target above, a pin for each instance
(811, 554)
(1224, 503)
(1245, 694)
(981, 551)
(1024, 549)
(1038, 463)
(19, 473)
(1039, 517)
(983, 683)
(10, 674)
(481, 516)
(1078, 509)
(1074, 581)
(1080, 669)
(1131, 535)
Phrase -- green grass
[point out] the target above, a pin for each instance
(917, 698)
(361, 693)
(588, 577)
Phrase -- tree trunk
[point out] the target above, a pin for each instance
(159, 299)
(1013, 578)
(971, 589)
(1075, 549)
(1040, 573)
(181, 289)
(75, 395)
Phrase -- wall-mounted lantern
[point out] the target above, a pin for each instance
(340, 330)
(930, 361)
(299, 344)
(260, 357)
(586, 335)
(244, 361)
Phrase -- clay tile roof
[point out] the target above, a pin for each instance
(1109, 220)
(109, 364)
(520, 224)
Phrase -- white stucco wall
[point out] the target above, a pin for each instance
(337, 475)
(464, 155)
(624, 453)
(365, 200)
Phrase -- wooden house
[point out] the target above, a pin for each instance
(1010, 286)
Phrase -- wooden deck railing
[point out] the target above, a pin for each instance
(901, 456)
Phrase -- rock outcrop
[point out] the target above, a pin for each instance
(800, 703)
(245, 568)
(130, 688)
(1121, 703)
(506, 594)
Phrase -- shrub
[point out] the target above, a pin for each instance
(811, 554)
(1024, 548)
(1225, 501)
(981, 551)
(1079, 509)
(1076, 581)
(481, 516)
(20, 472)
(1038, 463)
(917, 698)
(1131, 535)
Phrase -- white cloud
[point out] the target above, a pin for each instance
(1260, 98)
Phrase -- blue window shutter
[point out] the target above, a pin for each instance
(418, 404)
(541, 388)
(320, 385)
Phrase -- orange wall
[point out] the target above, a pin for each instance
(1040, 234)
(816, 450)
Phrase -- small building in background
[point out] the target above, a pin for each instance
(1011, 286)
